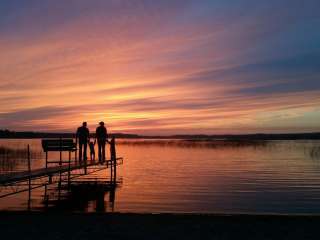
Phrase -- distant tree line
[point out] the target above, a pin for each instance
(12, 134)
(285, 136)
(259, 136)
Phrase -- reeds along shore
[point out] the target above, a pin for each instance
(18, 152)
(11, 157)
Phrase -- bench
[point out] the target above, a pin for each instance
(58, 145)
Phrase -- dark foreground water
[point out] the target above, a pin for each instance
(191, 177)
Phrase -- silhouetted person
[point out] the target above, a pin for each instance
(113, 149)
(92, 151)
(102, 136)
(83, 137)
(112, 143)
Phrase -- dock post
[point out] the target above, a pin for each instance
(111, 174)
(76, 151)
(112, 196)
(85, 159)
(113, 158)
(46, 159)
(60, 163)
(29, 159)
(69, 169)
(60, 147)
(29, 169)
(46, 196)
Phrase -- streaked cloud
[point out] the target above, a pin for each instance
(160, 67)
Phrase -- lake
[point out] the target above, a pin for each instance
(192, 177)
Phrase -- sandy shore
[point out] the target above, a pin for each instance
(17, 225)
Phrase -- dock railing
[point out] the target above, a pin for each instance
(52, 172)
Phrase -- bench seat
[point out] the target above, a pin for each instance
(58, 145)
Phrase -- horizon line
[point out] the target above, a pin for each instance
(172, 135)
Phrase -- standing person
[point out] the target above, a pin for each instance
(83, 137)
(92, 151)
(102, 137)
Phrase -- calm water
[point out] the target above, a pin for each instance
(279, 177)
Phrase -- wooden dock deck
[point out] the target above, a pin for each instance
(61, 171)
(15, 177)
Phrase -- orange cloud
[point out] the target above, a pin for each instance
(165, 72)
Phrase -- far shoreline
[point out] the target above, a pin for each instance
(7, 134)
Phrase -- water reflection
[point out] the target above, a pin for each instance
(86, 197)
(200, 177)
(196, 143)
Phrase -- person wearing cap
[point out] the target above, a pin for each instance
(102, 137)
(83, 136)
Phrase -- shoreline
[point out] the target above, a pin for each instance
(308, 135)
(60, 225)
(49, 213)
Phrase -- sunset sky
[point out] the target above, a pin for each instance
(160, 67)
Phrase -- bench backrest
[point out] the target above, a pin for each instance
(58, 145)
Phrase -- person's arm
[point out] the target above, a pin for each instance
(106, 136)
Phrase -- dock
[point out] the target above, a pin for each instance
(58, 171)
(15, 177)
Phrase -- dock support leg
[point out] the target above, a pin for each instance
(59, 187)
(60, 163)
(59, 190)
(29, 169)
(46, 196)
(115, 172)
(111, 174)
(29, 199)
(76, 151)
(113, 158)
(112, 197)
(46, 159)
(69, 170)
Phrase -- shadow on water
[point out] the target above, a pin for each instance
(83, 197)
